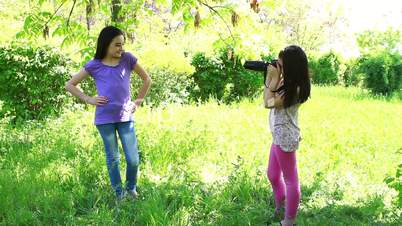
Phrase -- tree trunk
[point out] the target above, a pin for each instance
(116, 8)
(89, 14)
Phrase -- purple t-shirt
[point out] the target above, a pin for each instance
(114, 83)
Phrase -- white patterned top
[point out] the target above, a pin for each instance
(284, 126)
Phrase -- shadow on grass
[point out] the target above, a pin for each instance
(371, 211)
(178, 199)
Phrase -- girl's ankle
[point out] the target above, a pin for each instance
(278, 209)
(288, 222)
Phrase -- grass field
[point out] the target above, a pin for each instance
(206, 165)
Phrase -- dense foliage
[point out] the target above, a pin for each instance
(32, 81)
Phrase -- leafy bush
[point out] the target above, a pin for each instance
(170, 71)
(396, 183)
(382, 72)
(380, 63)
(209, 78)
(223, 77)
(32, 81)
(351, 76)
(325, 69)
(168, 86)
(243, 83)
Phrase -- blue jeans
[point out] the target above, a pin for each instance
(129, 143)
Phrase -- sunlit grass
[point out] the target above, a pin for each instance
(206, 165)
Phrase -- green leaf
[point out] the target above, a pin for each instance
(27, 23)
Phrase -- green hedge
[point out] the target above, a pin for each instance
(382, 72)
(32, 81)
(223, 77)
(168, 86)
(379, 72)
(325, 69)
(350, 75)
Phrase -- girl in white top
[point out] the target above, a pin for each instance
(288, 86)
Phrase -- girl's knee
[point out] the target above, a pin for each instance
(113, 160)
(292, 182)
(290, 175)
(273, 176)
(133, 161)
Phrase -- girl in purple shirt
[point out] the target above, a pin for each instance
(111, 69)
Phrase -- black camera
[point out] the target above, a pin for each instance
(259, 66)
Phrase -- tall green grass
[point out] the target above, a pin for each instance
(206, 165)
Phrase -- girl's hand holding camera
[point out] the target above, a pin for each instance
(274, 77)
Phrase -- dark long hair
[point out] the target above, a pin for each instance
(104, 39)
(295, 75)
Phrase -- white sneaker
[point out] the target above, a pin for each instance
(132, 193)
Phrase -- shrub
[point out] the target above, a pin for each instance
(382, 72)
(243, 83)
(168, 86)
(170, 71)
(32, 81)
(209, 78)
(396, 183)
(325, 69)
(351, 76)
(223, 77)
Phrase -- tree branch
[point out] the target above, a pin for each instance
(58, 8)
(212, 9)
(71, 12)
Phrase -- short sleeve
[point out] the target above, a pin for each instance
(90, 67)
(132, 60)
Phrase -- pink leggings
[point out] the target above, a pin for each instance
(281, 162)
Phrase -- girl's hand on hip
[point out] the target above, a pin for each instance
(97, 101)
(136, 104)
(134, 107)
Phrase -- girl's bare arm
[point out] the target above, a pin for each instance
(71, 86)
(272, 99)
(146, 83)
